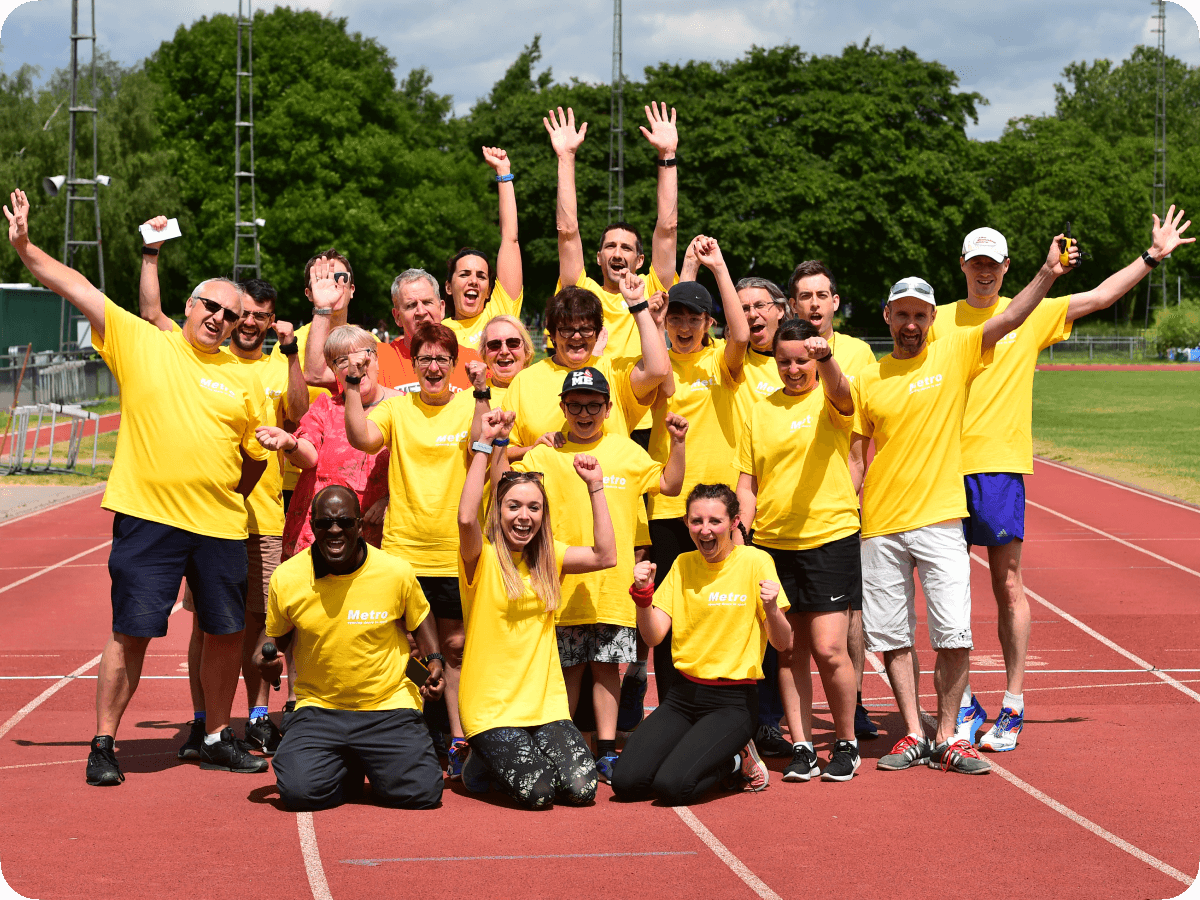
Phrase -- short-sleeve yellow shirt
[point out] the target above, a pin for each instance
(469, 330)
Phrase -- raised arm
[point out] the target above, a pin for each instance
(566, 141)
(296, 400)
(1165, 237)
(670, 483)
(833, 380)
(653, 623)
(1031, 295)
(470, 535)
(361, 432)
(477, 372)
(603, 552)
(664, 138)
(691, 262)
(655, 365)
(326, 293)
(149, 296)
(61, 279)
(508, 258)
(737, 329)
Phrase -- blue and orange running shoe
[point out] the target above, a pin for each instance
(1003, 735)
(970, 720)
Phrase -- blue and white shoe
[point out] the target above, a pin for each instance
(970, 720)
(1003, 735)
(457, 756)
(605, 765)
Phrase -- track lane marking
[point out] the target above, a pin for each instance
(1062, 809)
(57, 565)
(312, 857)
(1117, 484)
(739, 868)
(37, 512)
(403, 859)
(1113, 537)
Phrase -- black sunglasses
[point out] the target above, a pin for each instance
(213, 307)
(511, 343)
(340, 276)
(324, 523)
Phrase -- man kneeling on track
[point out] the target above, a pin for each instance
(342, 606)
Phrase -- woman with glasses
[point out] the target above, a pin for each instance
(505, 348)
(427, 432)
(513, 699)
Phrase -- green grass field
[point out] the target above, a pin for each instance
(1139, 427)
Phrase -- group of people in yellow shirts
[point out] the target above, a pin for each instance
(705, 499)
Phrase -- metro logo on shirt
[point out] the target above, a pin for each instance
(367, 617)
(716, 598)
(924, 384)
(806, 422)
(217, 386)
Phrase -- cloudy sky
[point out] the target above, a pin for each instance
(1010, 51)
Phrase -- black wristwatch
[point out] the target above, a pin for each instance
(431, 657)
(1150, 260)
(485, 394)
(290, 349)
(353, 379)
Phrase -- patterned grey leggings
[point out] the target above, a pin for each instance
(536, 765)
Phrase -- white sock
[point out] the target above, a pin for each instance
(919, 737)
(1015, 702)
(737, 762)
(966, 697)
(853, 742)
(210, 739)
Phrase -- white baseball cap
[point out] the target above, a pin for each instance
(985, 242)
(912, 287)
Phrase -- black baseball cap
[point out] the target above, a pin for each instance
(589, 378)
(693, 295)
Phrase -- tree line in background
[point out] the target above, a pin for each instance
(861, 160)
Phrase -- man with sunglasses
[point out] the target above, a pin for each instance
(343, 607)
(912, 402)
(178, 489)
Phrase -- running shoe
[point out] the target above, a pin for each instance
(261, 734)
(843, 762)
(771, 742)
(970, 720)
(1003, 735)
(754, 773)
(909, 751)
(633, 700)
(102, 767)
(191, 747)
(863, 726)
(605, 765)
(456, 757)
(231, 755)
(475, 775)
(803, 765)
(958, 756)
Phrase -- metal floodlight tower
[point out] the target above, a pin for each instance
(81, 190)
(1158, 278)
(245, 229)
(616, 128)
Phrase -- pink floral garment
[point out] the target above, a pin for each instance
(324, 426)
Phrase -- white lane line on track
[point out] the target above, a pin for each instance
(1117, 648)
(1117, 484)
(46, 695)
(1082, 821)
(403, 859)
(37, 512)
(312, 857)
(738, 867)
(57, 565)
(1113, 537)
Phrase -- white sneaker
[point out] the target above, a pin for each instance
(1002, 736)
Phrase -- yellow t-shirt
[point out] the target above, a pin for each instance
(852, 355)
(511, 674)
(265, 503)
(629, 472)
(762, 377)
(913, 408)
(624, 344)
(997, 433)
(291, 472)
(534, 396)
(349, 649)
(426, 471)
(717, 618)
(184, 414)
(706, 395)
(499, 304)
(796, 447)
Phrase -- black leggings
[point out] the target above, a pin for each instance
(536, 765)
(686, 745)
(669, 538)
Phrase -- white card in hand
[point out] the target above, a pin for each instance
(150, 236)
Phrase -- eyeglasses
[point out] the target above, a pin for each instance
(511, 476)
(903, 287)
(343, 362)
(592, 408)
(343, 522)
(680, 318)
(761, 308)
(261, 317)
(426, 361)
(213, 307)
(587, 332)
(512, 343)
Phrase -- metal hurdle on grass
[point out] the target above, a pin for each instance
(22, 429)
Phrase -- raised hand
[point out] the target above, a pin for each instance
(158, 223)
(658, 307)
(496, 425)
(18, 219)
(274, 438)
(643, 574)
(588, 468)
(328, 292)
(633, 288)
(477, 372)
(1168, 234)
(497, 159)
(677, 427)
(285, 331)
(708, 251)
(561, 128)
(663, 135)
(768, 592)
(356, 367)
(816, 347)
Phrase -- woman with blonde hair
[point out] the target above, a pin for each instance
(512, 698)
(505, 348)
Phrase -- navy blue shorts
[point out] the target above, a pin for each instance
(995, 509)
(149, 559)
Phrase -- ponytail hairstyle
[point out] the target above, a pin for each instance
(538, 554)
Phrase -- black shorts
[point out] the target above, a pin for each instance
(146, 563)
(442, 595)
(822, 579)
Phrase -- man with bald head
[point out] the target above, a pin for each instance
(343, 607)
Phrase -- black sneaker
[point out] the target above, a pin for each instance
(230, 755)
(261, 734)
(191, 747)
(843, 762)
(770, 742)
(803, 765)
(289, 710)
(102, 767)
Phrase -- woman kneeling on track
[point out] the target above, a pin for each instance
(512, 698)
(722, 603)
(795, 488)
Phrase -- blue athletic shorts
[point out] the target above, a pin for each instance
(995, 509)
(149, 559)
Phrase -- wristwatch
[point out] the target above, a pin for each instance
(481, 447)
(485, 394)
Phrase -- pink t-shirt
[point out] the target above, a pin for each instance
(324, 426)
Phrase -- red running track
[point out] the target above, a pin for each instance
(1097, 801)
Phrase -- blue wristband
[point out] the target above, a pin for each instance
(509, 177)
(500, 442)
